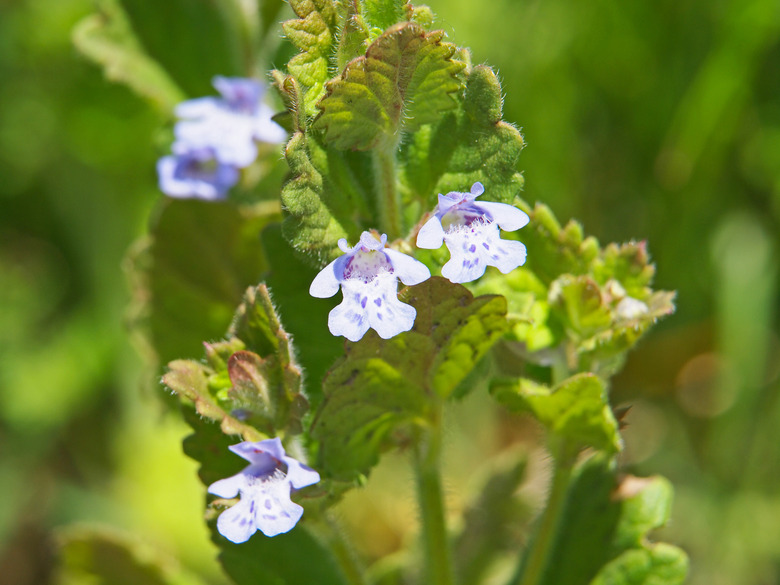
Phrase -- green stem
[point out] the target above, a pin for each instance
(386, 186)
(436, 550)
(536, 559)
(330, 533)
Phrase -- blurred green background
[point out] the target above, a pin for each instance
(645, 120)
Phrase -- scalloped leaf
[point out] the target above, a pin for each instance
(326, 196)
(406, 79)
(576, 410)
(107, 39)
(200, 258)
(313, 34)
(382, 389)
(353, 37)
(190, 380)
(469, 145)
(271, 373)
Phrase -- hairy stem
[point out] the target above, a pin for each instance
(532, 568)
(330, 533)
(436, 550)
(385, 184)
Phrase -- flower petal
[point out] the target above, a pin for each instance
(300, 475)
(349, 317)
(199, 108)
(274, 511)
(228, 487)
(237, 523)
(508, 217)
(259, 453)
(326, 283)
(265, 129)
(407, 269)
(431, 235)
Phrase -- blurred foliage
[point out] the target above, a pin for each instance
(648, 120)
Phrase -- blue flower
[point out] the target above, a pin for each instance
(368, 276)
(265, 486)
(229, 124)
(470, 230)
(195, 173)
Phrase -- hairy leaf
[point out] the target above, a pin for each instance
(381, 389)
(405, 80)
(658, 564)
(190, 380)
(323, 197)
(313, 33)
(576, 410)
(468, 145)
(382, 14)
(353, 39)
(271, 373)
(106, 39)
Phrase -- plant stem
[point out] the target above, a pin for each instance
(438, 564)
(332, 535)
(536, 559)
(385, 184)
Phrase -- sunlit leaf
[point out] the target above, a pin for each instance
(576, 410)
(382, 389)
(405, 80)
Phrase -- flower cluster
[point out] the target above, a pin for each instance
(265, 486)
(215, 137)
(368, 274)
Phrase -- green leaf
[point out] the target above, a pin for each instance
(271, 374)
(553, 250)
(190, 380)
(191, 274)
(353, 38)
(323, 198)
(382, 389)
(293, 558)
(616, 515)
(469, 145)
(194, 40)
(100, 556)
(660, 564)
(106, 39)
(580, 304)
(305, 316)
(628, 264)
(406, 79)
(382, 14)
(313, 34)
(576, 410)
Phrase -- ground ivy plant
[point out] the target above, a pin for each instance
(402, 193)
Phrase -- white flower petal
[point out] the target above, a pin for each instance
(265, 129)
(237, 524)
(508, 217)
(431, 235)
(228, 487)
(274, 511)
(326, 283)
(349, 318)
(407, 269)
(199, 108)
(300, 475)
(386, 314)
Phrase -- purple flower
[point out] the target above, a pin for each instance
(368, 276)
(195, 173)
(470, 230)
(265, 486)
(229, 124)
